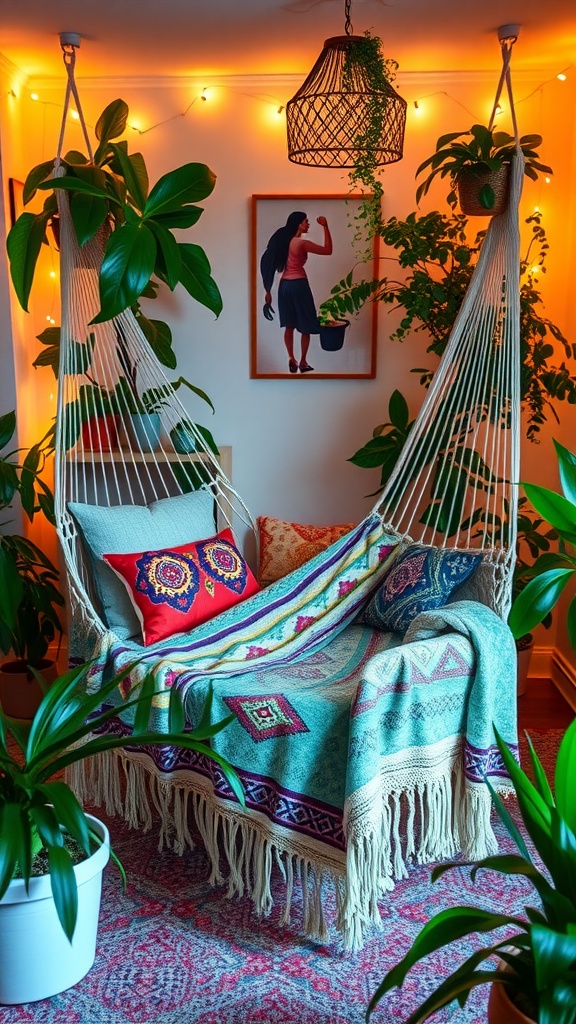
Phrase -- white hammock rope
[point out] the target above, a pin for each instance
(472, 411)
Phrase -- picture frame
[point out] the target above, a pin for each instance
(269, 355)
(15, 194)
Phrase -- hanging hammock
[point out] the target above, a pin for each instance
(454, 484)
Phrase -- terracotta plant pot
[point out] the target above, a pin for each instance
(501, 1009)
(469, 185)
(20, 691)
(100, 433)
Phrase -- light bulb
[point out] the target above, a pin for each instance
(204, 96)
(535, 270)
(52, 273)
(547, 180)
(33, 95)
(561, 77)
(417, 109)
(536, 209)
(74, 115)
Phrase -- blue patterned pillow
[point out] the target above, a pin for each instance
(419, 579)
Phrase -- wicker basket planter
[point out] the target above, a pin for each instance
(469, 185)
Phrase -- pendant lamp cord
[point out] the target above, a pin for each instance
(507, 45)
(69, 57)
(348, 28)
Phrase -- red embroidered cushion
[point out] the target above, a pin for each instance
(286, 546)
(178, 588)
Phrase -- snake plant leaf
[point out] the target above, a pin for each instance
(64, 889)
(168, 253)
(553, 954)
(540, 779)
(567, 470)
(68, 811)
(126, 269)
(9, 843)
(112, 121)
(564, 777)
(187, 184)
(196, 277)
(176, 715)
(144, 707)
(537, 599)
(23, 244)
(88, 214)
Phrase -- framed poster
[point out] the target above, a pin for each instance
(287, 338)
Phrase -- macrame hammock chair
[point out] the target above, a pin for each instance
(459, 465)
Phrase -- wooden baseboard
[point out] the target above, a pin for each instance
(549, 663)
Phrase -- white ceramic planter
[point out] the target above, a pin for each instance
(36, 959)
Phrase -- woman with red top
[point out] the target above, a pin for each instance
(287, 252)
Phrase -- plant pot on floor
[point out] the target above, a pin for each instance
(332, 335)
(20, 691)
(36, 959)
(472, 187)
(146, 430)
(501, 1009)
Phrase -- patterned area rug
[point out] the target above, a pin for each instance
(172, 950)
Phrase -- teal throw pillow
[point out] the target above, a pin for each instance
(418, 580)
(123, 529)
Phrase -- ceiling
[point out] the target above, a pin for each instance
(238, 37)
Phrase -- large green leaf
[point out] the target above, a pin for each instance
(187, 184)
(134, 173)
(127, 267)
(196, 278)
(12, 590)
(537, 599)
(554, 953)
(74, 184)
(88, 215)
(398, 410)
(170, 254)
(159, 337)
(7, 428)
(112, 121)
(34, 177)
(23, 244)
(555, 509)
(9, 845)
(68, 811)
(184, 218)
(567, 470)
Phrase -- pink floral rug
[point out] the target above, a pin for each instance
(172, 950)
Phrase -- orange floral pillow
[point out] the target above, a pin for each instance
(286, 546)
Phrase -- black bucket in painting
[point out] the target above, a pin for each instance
(332, 335)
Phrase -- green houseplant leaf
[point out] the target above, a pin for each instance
(127, 267)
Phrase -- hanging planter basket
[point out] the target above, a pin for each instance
(332, 335)
(470, 187)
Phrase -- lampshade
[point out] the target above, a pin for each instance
(329, 112)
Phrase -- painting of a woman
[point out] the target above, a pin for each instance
(286, 253)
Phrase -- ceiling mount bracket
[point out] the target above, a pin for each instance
(69, 39)
(508, 33)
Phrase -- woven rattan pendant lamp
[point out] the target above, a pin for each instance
(326, 119)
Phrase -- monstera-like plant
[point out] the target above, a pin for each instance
(110, 194)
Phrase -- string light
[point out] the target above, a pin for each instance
(203, 95)
(547, 179)
(417, 109)
(34, 96)
(52, 273)
(74, 115)
(561, 77)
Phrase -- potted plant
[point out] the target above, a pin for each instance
(551, 572)
(346, 298)
(536, 978)
(478, 163)
(110, 198)
(29, 598)
(52, 853)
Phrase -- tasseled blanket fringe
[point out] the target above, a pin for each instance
(424, 823)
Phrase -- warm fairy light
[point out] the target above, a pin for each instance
(535, 270)
(561, 77)
(48, 318)
(536, 209)
(51, 319)
(34, 96)
(52, 273)
(74, 115)
(417, 108)
(280, 109)
(204, 95)
(547, 180)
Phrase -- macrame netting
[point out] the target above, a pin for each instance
(455, 482)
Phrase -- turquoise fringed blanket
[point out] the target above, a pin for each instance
(357, 756)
